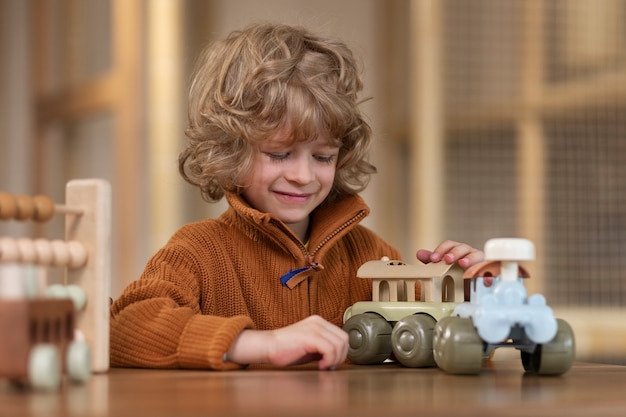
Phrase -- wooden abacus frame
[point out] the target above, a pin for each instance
(87, 211)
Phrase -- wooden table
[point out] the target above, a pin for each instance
(385, 390)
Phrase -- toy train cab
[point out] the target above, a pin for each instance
(501, 314)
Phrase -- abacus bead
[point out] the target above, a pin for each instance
(28, 253)
(78, 254)
(25, 207)
(61, 253)
(44, 208)
(9, 252)
(45, 257)
(8, 206)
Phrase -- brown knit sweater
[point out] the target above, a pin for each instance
(219, 276)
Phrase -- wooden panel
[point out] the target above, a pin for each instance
(427, 135)
(127, 47)
(93, 229)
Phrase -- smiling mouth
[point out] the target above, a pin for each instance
(292, 197)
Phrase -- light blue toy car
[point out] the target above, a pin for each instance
(501, 314)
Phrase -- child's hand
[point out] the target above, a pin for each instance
(450, 252)
(311, 339)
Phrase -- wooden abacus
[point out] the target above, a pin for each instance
(39, 208)
(84, 253)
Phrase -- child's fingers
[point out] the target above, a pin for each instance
(331, 343)
(423, 255)
(451, 252)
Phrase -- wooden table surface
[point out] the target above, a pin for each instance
(384, 390)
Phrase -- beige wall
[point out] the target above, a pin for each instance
(15, 115)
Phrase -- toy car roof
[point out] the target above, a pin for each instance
(394, 269)
(491, 269)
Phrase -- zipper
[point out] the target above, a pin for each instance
(310, 256)
(351, 221)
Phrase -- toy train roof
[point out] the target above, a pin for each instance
(394, 269)
(491, 269)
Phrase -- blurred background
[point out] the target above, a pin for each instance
(492, 118)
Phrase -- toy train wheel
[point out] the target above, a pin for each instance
(44, 367)
(78, 359)
(457, 347)
(370, 339)
(412, 341)
(554, 357)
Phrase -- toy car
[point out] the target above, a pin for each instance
(395, 324)
(501, 314)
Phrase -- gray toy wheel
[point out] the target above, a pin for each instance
(412, 341)
(554, 357)
(457, 347)
(370, 339)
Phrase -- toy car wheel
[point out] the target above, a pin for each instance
(554, 357)
(412, 341)
(79, 361)
(457, 348)
(370, 339)
(44, 367)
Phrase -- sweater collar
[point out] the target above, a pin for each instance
(329, 222)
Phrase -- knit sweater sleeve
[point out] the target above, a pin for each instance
(157, 322)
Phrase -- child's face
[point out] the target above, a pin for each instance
(290, 180)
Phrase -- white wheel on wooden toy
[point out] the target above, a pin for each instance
(78, 296)
(44, 367)
(57, 291)
(78, 361)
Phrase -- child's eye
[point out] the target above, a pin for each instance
(277, 156)
(327, 159)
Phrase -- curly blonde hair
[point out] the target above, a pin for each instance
(263, 78)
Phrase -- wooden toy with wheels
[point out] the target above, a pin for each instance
(50, 330)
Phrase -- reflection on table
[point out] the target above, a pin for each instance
(384, 390)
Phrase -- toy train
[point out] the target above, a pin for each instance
(462, 317)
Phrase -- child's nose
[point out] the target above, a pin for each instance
(301, 171)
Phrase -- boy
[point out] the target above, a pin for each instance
(274, 126)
